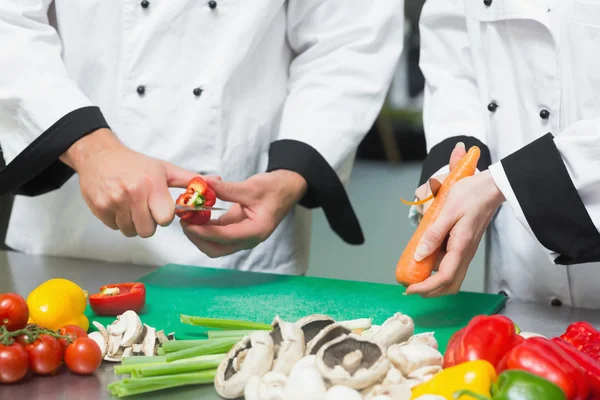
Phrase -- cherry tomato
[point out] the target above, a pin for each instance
(14, 312)
(13, 363)
(83, 356)
(45, 355)
(73, 331)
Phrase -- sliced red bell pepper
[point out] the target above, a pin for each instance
(580, 334)
(198, 193)
(484, 338)
(545, 358)
(585, 361)
(115, 299)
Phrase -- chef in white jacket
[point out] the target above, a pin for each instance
(107, 108)
(520, 79)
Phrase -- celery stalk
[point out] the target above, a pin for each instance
(223, 323)
(142, 360)
(228, 333)
(217, 346)
(179, 367)
(187, 378)
(127, 369)
(178, 345)
(161, 352)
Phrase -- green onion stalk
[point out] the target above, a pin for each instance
(224, 323)
(135, 386)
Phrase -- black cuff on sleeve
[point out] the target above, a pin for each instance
(324, 186)
(551, 203)
(439, 156)
(37, 169)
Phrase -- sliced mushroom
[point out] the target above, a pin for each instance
(114, 343)
(381, 397)
(409, 358)
(118, 327)
(359, 324)
(393, 376)
(161, 337)
(353, 361)
(127, 352)
(340, 392)
(171, 336)
(305, 384)
(425, 373)
(272, 386)
(253, 355)
(311, 325)
(117, 357)
(288, 340)
(251, 388)
(396, 329)
(101, 329)
(398, 391)
(371, 331)
(137, 349)
(100, 340)
(149, 341)
(411, 383)
(326, 335)
(305, 362)
(134, 328)
(426, 338)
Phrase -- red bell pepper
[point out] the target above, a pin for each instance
(117, 298)
(198, 193)
(585, 361)
(545, 358)
(484, 338)
(580, 334)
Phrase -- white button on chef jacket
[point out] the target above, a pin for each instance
(208, 86)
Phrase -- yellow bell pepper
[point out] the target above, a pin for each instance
(56, 303)
(476, 376)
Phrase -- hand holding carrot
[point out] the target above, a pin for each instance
(463, 219)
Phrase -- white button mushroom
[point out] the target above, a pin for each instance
(288, 340)
(396, 329)
(305, 384)
(340, 392)
(410, 357)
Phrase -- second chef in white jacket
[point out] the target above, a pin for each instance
(273, 96)
(520, 80)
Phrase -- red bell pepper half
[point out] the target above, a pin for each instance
(198, 193)
(545, 358)
(585, 361)
(487, 338)
(580, 334)
(117, 298)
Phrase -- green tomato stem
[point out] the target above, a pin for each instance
(223, 323)
(218, 346)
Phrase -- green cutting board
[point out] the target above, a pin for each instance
(217, 293)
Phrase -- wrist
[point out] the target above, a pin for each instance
(495, 195)
(94, 143)
(294, 182)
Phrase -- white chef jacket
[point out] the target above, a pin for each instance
(208, 86)
(521, 79)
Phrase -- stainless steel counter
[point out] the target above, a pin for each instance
(22, 273)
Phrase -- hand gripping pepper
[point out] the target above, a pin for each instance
(475, 376)
(56, 303)
(519, 385)
(586, 362)
(546, 359)
(198, 193)
(117, 298)
(487, 338)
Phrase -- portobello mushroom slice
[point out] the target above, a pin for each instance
(326, 335)
(396, 329)
(288, 341)
(353, 361)
(253, 355)
(311, 325)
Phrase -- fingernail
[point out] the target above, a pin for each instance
(421, 251)
(460, 144)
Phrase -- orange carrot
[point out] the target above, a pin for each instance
(409, 271)
(416, 203)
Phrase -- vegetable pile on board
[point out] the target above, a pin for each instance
(32, 348)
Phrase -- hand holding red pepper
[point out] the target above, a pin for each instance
(198, 193)
(262, 202)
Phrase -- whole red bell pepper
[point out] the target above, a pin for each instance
(585, 361)
(486, 337)
(198, 193)
(545, 358)
(115, 299)
(580, 334)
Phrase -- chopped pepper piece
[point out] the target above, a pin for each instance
(585, 361)
(519, 385)
(115, 299)
(476, 376)
(198, 193)
(56, 303)
(545, 358)
(487, 338)
(580, 334)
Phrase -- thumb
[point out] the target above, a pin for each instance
(458, 153)
(434, 236)
(177, 177)
(233, 192)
